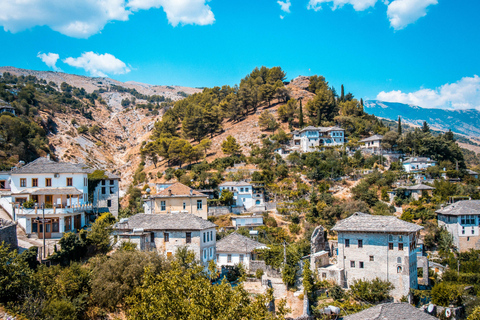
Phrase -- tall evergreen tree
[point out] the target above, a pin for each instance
(425, 127)
(342, 94)
(300, 114)
(399, 129)
(361, 102)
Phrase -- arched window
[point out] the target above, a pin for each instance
(399, 260)
(257, 202)
(399, 269)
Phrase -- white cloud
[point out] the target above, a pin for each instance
(358, 5)
(404, 12)
(83, 18)
(50, 59)
(285, 5)
(98, 65)
(463, 94)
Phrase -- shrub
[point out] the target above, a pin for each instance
(259, 273)
(372, 291)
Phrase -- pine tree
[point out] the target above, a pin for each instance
(361, 102)
(425, 127)
(300, 115)
(399, 130)
(342, 94)
(230, 146)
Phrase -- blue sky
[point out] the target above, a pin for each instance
(423, 52)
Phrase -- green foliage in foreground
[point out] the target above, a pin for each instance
(373, 291)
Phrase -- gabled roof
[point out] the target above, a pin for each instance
(471, 172)
(363, 222)
(178, 190)
(234, 184)
(171, 221)
(45, 165)
(391, 311)
(417, 187)
(418, 160)
(322, 129)
(235, 242)
(464, 207)
(372, 138)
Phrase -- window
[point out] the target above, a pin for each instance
(34, 227)
(246, 189)
(324, 274)
(109, 203)
(104, 191)
(352, 264)
(390, 246)
(34, 182)
(241, 189)
(399, 269)
(23, 182)
(68, 223)
(204, 237)
(372, 258)
(204, 254)
(184, 205)
(229, 258)
(208, 237)
(55, 225)
(211, 235)
(241, 258)
(152, 237)
(48, 182)
(390, 238)
(188, 237)
(473, 231)
(69, 182)
(103, 182)
(347, 243)
(463, 230)
(218, 256)
(360, 264)
(400, 238)
(163, 206)
(400, 246)
(360, 243)
(199, 204)
(112, 182)
(166, 237)
(3, 184)
(85, 182)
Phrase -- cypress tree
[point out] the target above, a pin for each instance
(300, 115)
(399, 126)
(342, 94)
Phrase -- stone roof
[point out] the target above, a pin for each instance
(234, 184)
(45, 165)
(471, 172)
(372, 138)
(50, 190)
(363, 222)
(418, 160)
(249, 216)
(391, 311)
(322, 129)
(464, 207)
(417, 187)
(235, 242)
(171, 221)
(178, 190)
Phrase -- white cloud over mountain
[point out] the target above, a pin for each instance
(463, 94)
(83, 18)
(50, 59)
(400, 13)
(98, 65)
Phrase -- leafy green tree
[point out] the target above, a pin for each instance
(230, 146)
(322, 107)
(73, 248)
(15, 275)
(226, 197)
(267, 121)
(373, 291)
(100, 235)
(445, 294)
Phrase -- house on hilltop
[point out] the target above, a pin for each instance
(371, 246)
(462, 220)
(177, 198)
(418, 164)
(236, 249)
(246, 195)
(166, 233)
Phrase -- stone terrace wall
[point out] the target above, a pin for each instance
(8, 233)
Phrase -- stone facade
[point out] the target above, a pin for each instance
(8, 233)
(106, 195)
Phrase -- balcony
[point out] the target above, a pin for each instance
(55, 209)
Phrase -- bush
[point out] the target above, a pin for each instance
(337, 293)
(259, 273)
(373, 291)
(82, 129)
(294, 228)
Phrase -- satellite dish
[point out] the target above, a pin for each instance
(431, 308)
(148, 190)
(448, 312)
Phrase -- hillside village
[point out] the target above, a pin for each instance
(286, 198)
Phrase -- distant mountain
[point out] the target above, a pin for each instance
(465, 122)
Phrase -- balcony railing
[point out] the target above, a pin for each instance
(20, 210)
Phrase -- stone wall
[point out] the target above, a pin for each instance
(219, 211)
(8, 233)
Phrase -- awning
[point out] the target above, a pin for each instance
(52, 191)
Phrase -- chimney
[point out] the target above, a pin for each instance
(191, 192)
(169, 192)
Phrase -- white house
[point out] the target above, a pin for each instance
(166, 233)
(471, 173)
(371, 246)
(311, 139)
(462, 220)
(236, 249)
(418, 164)
(246, 195)
(372, 144)
(247, 221)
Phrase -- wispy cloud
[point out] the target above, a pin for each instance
(50, 59)
(285, 5)
(98, 65)
(83, 18)
(463, 94)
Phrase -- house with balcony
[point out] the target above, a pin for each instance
(371, 246)
(372, 144)
(418, 164)
(236, 249)
(166, 233)
(246, 195)
(462, 219)
(311, 139)
(56, 190)
(177, 198)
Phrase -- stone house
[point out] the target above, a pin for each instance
(166, 233)
(372, 144)
(106, 194)
(8, 233)
(177, 198)
(462, 220)
(417, 191)
(391, 311)
(236, 249)
(371, 246)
